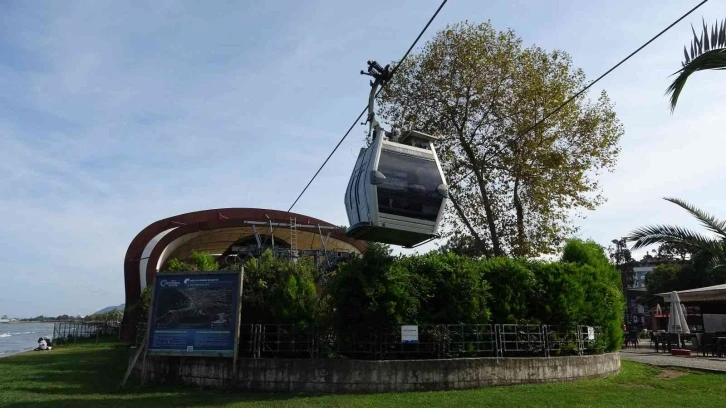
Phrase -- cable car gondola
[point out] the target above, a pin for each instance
(397, 192)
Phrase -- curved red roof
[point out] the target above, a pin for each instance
(189, 223)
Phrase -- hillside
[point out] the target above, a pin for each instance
(110, 309)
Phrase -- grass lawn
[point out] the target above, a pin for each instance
(87, 376)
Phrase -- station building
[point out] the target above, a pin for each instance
(231, 235)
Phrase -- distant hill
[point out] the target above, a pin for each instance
(110, 309)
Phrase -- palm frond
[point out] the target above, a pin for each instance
(711, 60)
(707, 52)
(662, 234)
(709, 221)
(704, 37)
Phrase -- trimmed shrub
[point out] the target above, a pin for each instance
(443, 288)
(376, 289)
(604, 301)
(452, 290)
(559, 294)
(513, 289)
(278, 291)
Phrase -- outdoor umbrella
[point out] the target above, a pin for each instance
(677, 320)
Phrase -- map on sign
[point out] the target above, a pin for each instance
(195, 314)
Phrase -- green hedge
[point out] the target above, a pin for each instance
(381, 289)
(278, 291)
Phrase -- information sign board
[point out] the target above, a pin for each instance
(195, 314)
(409, 334)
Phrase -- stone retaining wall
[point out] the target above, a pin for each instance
(333, 376)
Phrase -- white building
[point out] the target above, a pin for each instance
(640, 274)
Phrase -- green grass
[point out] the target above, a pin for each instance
(87, 375)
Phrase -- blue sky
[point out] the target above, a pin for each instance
(116, 114)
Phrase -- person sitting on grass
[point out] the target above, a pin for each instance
(44, 344)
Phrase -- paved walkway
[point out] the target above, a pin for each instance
(648, 355)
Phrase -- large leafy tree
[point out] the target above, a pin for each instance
(695, 273)
(708, 52)
(674, 252)
(713, 246)
(480, 90)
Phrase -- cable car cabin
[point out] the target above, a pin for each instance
(397, 193)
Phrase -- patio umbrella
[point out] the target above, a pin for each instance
(677, 320)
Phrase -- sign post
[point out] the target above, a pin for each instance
(239, 317)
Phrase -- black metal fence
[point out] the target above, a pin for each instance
(70, 332)
(434, 341)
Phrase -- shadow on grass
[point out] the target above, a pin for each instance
(89, 376)
(166, 401)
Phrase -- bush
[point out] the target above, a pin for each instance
(140, 309)
(379, 290)
(452, 289)
(601, 282)
(443, 288)
(199, 261)
(559, 295)
(278, 291)
(513, 288)
(375, 290)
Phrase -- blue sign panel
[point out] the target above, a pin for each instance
(195, 313)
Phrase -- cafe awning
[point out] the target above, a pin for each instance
(705, 294)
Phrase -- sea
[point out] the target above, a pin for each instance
(18, 337)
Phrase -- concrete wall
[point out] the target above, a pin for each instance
(328, 375)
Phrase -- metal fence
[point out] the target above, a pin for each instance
(70, 332)
(434, 341)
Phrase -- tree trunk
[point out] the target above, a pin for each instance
(481, 245)
(489, 212)
(520, 220)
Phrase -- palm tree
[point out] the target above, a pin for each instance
(707, 53)
(712, 247)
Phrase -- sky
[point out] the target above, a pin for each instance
(116, 114)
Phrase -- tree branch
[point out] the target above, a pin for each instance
(477, 239)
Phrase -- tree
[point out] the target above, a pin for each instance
(714, 248)
(620, 255)
(462, 245)
(706, 54)
(663, 278)
(694, 273)
(673, 251)
(480, 90)
(4, 317)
